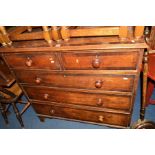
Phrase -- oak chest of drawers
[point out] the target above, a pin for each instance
(93, 82)
(96, 86)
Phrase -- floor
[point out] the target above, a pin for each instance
(31, 121)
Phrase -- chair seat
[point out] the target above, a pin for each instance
(14, 89)
(8, 97)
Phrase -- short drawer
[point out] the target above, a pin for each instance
(80, 98)
(103, 82)
(33, 61)
(103, 61)
(118, 119)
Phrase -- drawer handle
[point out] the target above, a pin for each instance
(99, 103)
(52, 111)
(29, 62)
(98, 83)
(38, 80)
(96, 63)
(46, 96)
(101, 118)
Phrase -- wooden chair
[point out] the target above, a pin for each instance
(10, 93)
(11, 96)
(123, 33)
(56, 35)
(21, 33)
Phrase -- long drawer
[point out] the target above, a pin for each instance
(106, 60)
(122, 102)
(33, 61)
(57, 79)
(118, 119)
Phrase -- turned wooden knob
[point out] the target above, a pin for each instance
(29, 62)
(46, 96)
(98, 83)
(101, 118)
(96, 63)
(52, 111)
(38, 80)
(99, 102)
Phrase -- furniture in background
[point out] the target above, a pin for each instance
(87, 74)
(151, 66)
(151, 79)
(145, 124)
(10, 93)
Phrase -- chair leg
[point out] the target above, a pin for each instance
(7, 109)
(17, 114)
(25, 108)
(4, 114)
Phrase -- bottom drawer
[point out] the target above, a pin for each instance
(109, 118)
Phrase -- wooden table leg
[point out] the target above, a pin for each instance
(144, 85)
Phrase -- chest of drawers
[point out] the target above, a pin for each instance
(96, 86)
(87, 74)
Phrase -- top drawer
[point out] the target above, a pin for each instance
(103, 61)
(33, 61)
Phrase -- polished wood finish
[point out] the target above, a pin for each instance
(114, 101)
(47, 34)
(101, 31)
(4, 36)
(56, 34)
(139, 31)
(88, 31)
(85, 76)
(144, 85)
(33, 61)
(84, 81)
(123, 33)
(2, 41)
(102, 61)
(28, 36)
(117, 119)
(65, 33)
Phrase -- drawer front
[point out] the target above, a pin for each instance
(111, 60)
(90, 99)
(33, 61)
(103, 82)
(84, 115)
